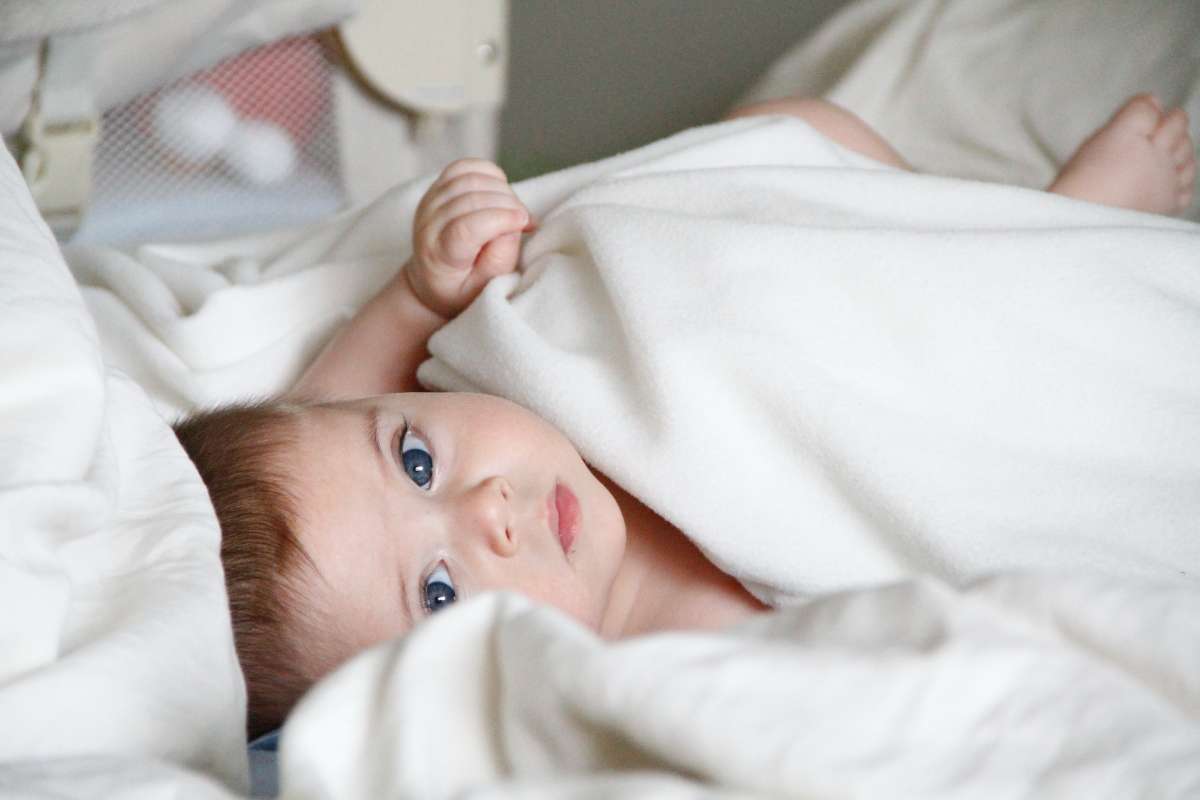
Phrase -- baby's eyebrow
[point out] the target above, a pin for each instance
(404, 595)
(371, 431)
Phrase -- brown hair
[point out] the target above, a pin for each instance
(238, 451)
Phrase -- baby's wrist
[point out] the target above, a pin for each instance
(407, 286)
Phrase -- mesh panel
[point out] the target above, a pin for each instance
(246, 145)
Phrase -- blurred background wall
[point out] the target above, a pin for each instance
(590, 78)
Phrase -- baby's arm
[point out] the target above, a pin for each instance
(466, 230)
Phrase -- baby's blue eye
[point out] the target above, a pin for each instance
(417, 460)
(438, 590)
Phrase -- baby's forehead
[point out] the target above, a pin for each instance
(326, 458)
(320, 420)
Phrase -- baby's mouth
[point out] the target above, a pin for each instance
(563, 514)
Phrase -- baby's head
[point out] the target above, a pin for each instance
(344, 524)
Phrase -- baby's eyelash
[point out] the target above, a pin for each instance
(417, 463)
(448, 594)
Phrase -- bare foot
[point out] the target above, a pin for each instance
(1142, 158)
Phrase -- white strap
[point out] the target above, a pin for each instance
(61, 133)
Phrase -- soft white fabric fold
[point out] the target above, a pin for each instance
(1015, 686)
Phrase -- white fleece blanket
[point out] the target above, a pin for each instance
(831, 375)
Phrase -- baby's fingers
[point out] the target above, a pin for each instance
(464, 175)
(475, 201)
(431, 229)
(468, 183)
(462, 240)
(466, 165)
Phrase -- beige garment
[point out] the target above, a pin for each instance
(996, 90)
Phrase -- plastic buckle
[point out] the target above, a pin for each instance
(57, 165)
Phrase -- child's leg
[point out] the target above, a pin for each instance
(1143, 158)
(832, 121)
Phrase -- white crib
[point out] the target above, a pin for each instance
(151, 120)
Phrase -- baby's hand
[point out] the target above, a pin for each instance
(467, 230)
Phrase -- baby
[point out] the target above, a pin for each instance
(358, 506)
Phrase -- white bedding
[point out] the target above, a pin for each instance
(1014, 687)
(984, 379)
(115, 647)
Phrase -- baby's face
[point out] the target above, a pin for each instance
(410, 502)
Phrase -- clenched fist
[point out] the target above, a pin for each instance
(466, 231)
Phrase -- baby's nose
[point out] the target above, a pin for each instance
(489, 506)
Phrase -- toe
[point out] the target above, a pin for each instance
(1187, 175)
(1140, 113)
(1172, 128)
(1183, 152)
